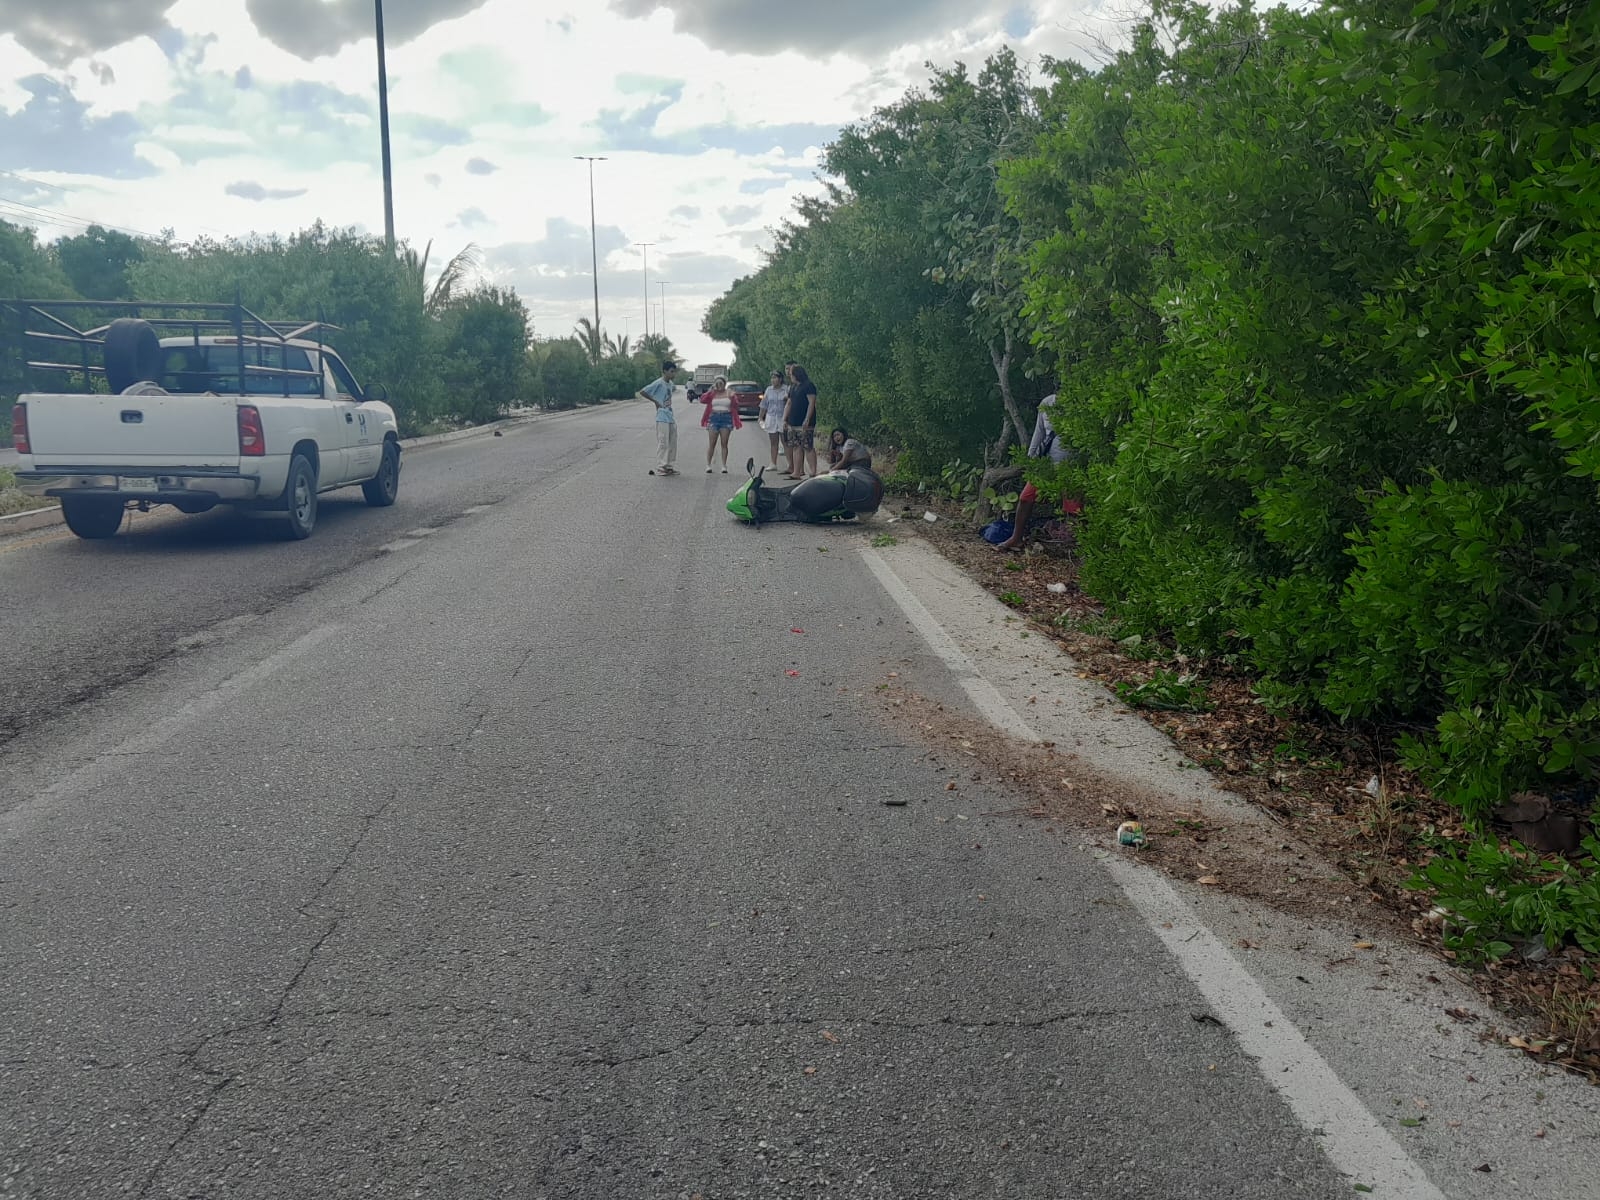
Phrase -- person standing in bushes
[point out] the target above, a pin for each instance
(660, 393)
(1045, 443)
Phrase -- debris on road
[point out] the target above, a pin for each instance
(1131, 833)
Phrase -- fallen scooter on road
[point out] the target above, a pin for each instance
(841, 495)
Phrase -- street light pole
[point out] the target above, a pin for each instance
(645, 246)
(383, 132)
(663, 293)
(594, 246)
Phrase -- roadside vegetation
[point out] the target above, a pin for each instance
(13, 500)
(1316, 291)
(451, 348)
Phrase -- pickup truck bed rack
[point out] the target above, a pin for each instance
(30, 327)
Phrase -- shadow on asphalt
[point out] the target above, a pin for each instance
(168, 531)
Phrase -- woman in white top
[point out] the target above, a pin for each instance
(772, 406)
(721, 419)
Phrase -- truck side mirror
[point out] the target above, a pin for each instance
(376, 391)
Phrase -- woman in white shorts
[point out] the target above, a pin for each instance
(772, 406)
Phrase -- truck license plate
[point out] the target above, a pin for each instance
(138, 483)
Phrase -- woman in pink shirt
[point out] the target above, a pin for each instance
(721, 418)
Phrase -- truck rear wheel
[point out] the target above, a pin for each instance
(300, 497)
(92, 517)
(383, 487)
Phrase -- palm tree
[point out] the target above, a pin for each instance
(617, 347)
(656, 346)
(450, 284)
(591, 339)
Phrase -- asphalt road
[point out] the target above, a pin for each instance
(80, 617)
(510, 860)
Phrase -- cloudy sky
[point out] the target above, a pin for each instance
(219, 117)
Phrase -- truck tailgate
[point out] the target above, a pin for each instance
(133, 431)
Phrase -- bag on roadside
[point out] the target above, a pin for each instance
(997, 531)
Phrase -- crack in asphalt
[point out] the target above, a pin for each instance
(701, 1027)
(646, 1056)
(385, 587)
(465, 739)
(928, 948)
(669, 743)
(183, 1135)
(367, 822)
(522, 665)
(305, 965)
(275, 1016)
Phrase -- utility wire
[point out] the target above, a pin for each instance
(61, 219)
(50, 216)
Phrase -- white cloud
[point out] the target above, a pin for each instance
(707, 148)
(16, 63)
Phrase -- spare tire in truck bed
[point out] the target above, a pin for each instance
(132, 353)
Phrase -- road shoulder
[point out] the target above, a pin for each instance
(1397, 1027)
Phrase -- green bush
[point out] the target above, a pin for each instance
(564, 373)
(1168, 691)
(1494, 896)
(618, 378)
(1317, 293)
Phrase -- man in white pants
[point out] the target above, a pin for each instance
(660, 394)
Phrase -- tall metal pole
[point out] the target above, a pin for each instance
(663, 329)
(383, 127)
(594, 245)
(645, 246)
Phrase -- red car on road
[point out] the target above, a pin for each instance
(746, 397)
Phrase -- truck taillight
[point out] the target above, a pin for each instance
(252, 439)
(19, 428)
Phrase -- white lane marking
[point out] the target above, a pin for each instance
(1319, 1099)
(103, 766)
(476, 509)
(422, 533)
(1352, 1138)
(983, 693)
(214, 633)
(398, 544)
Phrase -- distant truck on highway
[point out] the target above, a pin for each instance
(704, 374)
(234, 410)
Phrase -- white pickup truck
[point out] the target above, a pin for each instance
(258, 421)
